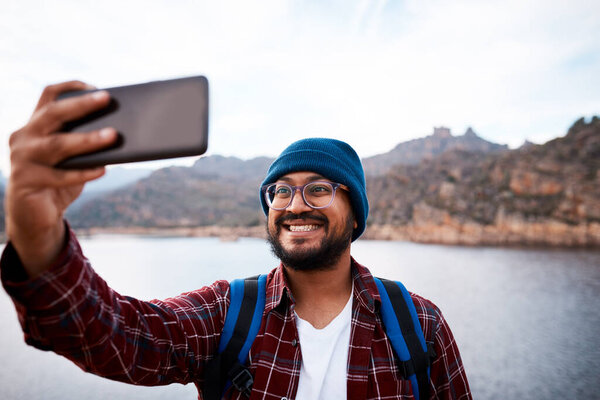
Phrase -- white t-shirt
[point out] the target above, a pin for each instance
(324, 357)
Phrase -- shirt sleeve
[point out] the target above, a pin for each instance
(70, 310)
(448, 377)
(447, 373)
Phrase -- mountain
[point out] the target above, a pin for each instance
(231, 167)
(216, 190)
(413, 151)
(117, 177)
(114, 178)
(442, 189)
(537, 194)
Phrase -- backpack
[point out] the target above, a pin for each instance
(244, 318)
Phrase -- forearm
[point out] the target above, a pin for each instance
(70, 310)
(37, 252)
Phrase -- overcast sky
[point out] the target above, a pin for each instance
(373, 73)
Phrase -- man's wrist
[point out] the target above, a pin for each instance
(38, 253)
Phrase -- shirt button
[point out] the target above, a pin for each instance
(294, 343)
(284, 398)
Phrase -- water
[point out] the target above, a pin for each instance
(526, 321)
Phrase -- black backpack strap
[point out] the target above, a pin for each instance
(239, 331)
(404, 330)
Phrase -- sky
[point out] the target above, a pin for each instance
(372, 73)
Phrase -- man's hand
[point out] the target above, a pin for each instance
(38, 194)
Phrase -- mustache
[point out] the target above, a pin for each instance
(303, 216)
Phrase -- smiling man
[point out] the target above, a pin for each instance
(315, 240)
(321, 334)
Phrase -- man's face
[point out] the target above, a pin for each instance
(307, 239)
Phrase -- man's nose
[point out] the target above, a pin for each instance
(298, 205)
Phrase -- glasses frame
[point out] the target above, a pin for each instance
(300, 188)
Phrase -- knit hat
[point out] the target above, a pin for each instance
(331, 158)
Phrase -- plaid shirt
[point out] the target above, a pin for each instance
(69, 309)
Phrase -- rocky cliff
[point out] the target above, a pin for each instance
(536, 195)
(414, 151)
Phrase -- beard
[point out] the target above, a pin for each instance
(319, 258)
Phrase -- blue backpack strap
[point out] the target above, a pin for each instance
(402, 326)
(244, 316)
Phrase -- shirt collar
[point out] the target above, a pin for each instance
(278, 290)
(280, 297)
(365, 289)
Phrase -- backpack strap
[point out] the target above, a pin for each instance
(243, 320)
(402, 326)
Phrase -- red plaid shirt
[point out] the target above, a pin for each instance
(69, 309)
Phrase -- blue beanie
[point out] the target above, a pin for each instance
(331, 158)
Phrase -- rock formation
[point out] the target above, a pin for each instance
(535, 195)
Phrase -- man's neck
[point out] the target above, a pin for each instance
(321, 295)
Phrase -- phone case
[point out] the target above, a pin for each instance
(155, 120)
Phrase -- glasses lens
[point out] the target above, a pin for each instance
(278, 195)
(318, 194)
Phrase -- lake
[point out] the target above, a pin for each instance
(527, 321)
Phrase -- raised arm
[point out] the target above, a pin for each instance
(38, 194)
(62, 304)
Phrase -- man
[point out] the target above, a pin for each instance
(321, 335)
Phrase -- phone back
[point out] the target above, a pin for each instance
(155, 120)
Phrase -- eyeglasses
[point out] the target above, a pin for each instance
(316, 195)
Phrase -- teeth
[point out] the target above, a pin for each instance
(303, 228)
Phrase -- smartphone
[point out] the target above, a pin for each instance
(154, 120)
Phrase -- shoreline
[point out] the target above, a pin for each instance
(513, 234)
(522, 235)
(224, 233)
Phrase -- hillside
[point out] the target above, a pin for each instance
(442, 189)
(114, 178)
(536, 195)
(216, 190)
(201, 195)
(414, 151)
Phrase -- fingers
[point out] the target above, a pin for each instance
(38, 193)
(50, 117)
(61, 178)
(51, 149)
(52, 91)
(43, 177)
